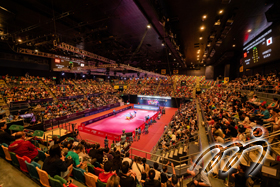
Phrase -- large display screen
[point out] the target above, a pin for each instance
(263, 48)
(64, 63)
(154, 100)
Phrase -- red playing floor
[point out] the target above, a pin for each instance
(116, 124)
(146, 142)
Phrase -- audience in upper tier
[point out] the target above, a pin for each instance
(23, 93)
(34, 88)
(263, 83)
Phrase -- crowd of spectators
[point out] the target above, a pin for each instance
(149, 89)
(232, 116)
(113, 166)
(165, 90)
(182, 127)
(27, 80)
(65, 90)
(106, 87)
(24, 92)
(109, 98)
(61, 108)
(89, 89)
(63, 155)
(263, 83)
(183, 91)
(133, 89)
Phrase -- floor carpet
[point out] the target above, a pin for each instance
(146, 142)
(116, 124)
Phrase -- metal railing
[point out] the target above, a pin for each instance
(179, 170)
(156, 147)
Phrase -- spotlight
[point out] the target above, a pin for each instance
(204, 65)
(36, 50)
(82, 65)
(174, 59)
(83, 76)
(148, 26)
(62, 73)
(202, 28)
(249, 30)
(19, 40)
(108, 77)
(233, 45)
(221, 11)
(162, 44)
(204, 17)
(200, 38)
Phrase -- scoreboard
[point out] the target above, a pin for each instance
(262, 49)
(65, 62)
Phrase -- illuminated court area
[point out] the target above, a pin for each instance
(115, 124)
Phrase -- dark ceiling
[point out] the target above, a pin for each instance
(236, 18)
(118, 29)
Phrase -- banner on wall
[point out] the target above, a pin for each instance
(163, 71)
(175, 72)
(226, 80)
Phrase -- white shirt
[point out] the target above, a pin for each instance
(136, 170)
(246, 120)
(241, 137)
(128, 160)
(220, 140)
(173, 137)
(157, 175)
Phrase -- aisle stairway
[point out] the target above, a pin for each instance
(3, 103)
(174, 153)
(143, 86)
(48, 89)
(75, 85)
(160, 81)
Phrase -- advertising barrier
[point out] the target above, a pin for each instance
(70, 97)
(85, 123)
(84, 113)
(146, 107)
(33, 101)
(83, 128)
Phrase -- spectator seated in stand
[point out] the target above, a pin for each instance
(23, 147)
(55, 164)
(107, 173)
(74, 155)
(4, 136)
